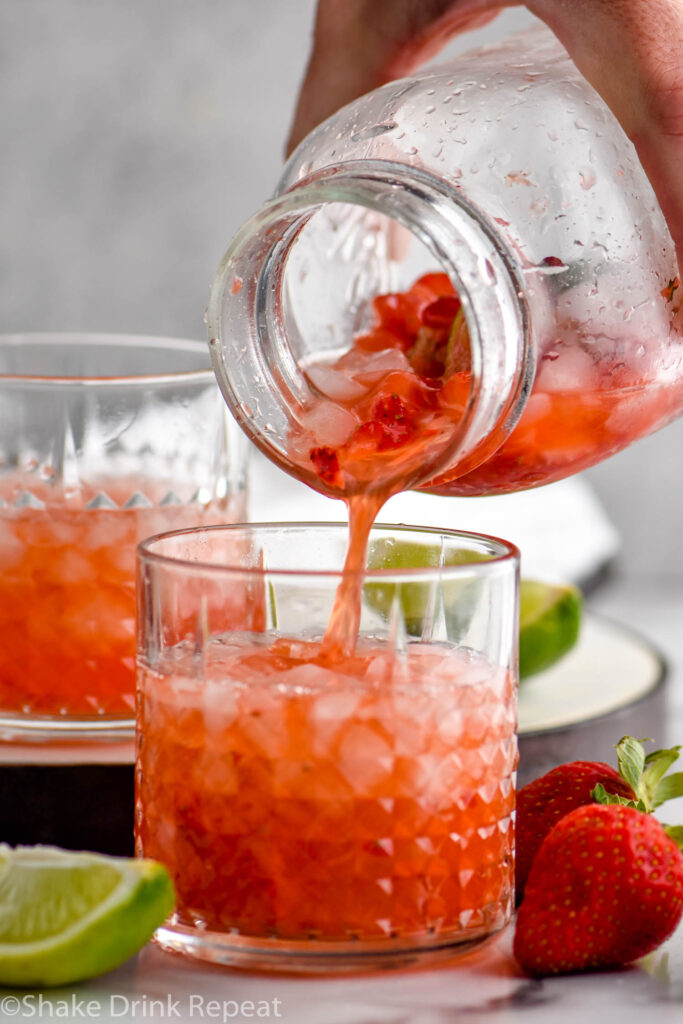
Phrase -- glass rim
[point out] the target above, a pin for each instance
(508, 553)
(107, 339)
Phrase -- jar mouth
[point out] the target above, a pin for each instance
(257, 371)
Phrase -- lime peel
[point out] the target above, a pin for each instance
(37, 883)
(549, 624)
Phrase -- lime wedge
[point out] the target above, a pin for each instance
(549, 623)
(550, 614)
(415, 598)
(68, 916)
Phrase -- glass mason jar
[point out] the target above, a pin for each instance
(506, 170)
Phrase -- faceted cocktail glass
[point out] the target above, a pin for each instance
(104, 440)
(322, 812)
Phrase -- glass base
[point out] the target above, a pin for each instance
(316, 957)
(34, 728)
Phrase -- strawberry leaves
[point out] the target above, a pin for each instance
(647, 776)
(631, 760)
(675, 832)
(601, 796)
(669, 788)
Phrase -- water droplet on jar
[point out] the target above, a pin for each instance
(372, 131)
(430, 109)
(487, 271)
(587, 178)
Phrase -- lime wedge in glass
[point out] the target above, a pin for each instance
(68, 916)
(550, 614)
(549, 623)
(414, 598)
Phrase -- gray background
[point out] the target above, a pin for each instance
(136, 136)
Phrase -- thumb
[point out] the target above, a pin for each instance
(631, 51)
(361, 44)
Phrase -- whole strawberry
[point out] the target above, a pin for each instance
(542, 803)
(606, 887)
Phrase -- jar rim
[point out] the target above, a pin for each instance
(249, 346)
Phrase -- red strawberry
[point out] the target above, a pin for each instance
(605, 888)
(325, 463)
(542, 803)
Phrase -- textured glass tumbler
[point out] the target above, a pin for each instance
(320, 812)
(104, 440)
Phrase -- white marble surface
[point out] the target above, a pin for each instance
(485, 985)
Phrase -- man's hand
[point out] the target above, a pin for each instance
(631, 51)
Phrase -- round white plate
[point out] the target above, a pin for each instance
(610, 669)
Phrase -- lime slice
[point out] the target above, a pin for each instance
(415, 598)
(549, 623)
(68, 916)
(550, 614)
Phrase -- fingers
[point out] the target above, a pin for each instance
(361, 44)
(631, 51)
